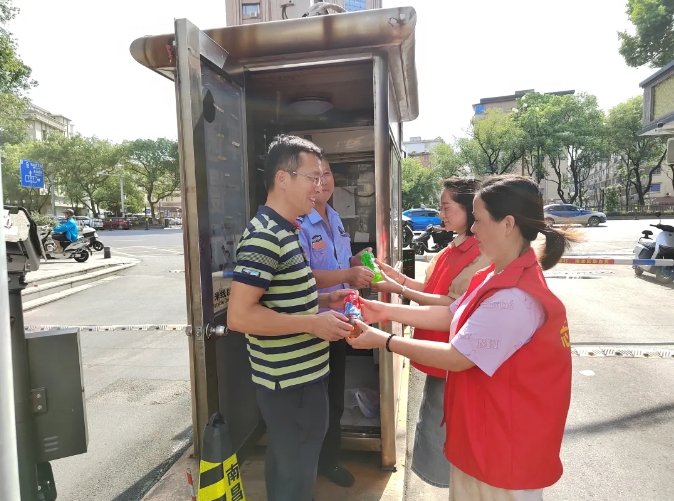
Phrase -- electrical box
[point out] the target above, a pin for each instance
(55, 366)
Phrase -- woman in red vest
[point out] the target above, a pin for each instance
(509, 383)
(448, 275)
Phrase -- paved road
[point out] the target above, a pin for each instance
(621, 419)
(620, 422)
(136, 383)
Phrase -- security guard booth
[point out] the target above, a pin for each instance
(345, 81)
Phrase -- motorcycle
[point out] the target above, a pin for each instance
(660, 248)
(441, 239)
(78, 250)
(92, 236)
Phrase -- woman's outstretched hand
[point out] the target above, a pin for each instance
(373, 311)
(368, 338)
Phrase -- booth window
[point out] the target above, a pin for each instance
(355, 5)
(250, 10)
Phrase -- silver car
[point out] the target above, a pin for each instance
(571, 214)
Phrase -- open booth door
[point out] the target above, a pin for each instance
(212, 140)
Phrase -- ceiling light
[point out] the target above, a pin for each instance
(311, 106)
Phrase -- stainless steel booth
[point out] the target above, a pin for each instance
(345, 81)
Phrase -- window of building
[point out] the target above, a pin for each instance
(250, 10)
(657, 171)
(355, 5)
(655, 187)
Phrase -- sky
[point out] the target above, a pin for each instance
(79, 53)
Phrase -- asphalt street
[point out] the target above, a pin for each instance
(137, 383)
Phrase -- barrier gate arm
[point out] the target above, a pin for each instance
(619, 261)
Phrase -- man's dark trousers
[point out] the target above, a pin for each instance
(297, 420)
(336, 385)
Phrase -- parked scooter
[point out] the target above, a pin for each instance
(91, 235)
(441, 239)
(660, 248)
(79, 250)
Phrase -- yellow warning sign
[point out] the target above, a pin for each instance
(221, 481)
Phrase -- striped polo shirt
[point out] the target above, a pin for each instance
(270, 256)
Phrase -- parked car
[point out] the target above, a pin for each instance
(572, 214)
(116, 223)
(422, 217)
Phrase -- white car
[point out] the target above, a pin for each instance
(571, 214)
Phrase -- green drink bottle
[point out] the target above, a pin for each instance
(367, 258)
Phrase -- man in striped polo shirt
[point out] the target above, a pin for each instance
(274, 300)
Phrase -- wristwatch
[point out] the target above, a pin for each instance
(402, 292)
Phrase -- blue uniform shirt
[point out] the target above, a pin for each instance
(326, 247)
(69, 228)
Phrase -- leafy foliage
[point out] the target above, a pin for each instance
(639, 155)
(653, 42)
(494, 144)
(154, 166)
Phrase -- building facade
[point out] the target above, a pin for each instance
(420, 149)
(550, 183)
(606, 176)
(40, 123)
(240, 12)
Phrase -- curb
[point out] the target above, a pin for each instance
(54, 287)
(36, 303)
(70, 281)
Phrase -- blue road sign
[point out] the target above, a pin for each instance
(32, 174)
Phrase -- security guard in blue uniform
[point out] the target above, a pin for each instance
(328, 248)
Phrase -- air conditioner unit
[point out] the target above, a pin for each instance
(255, 14)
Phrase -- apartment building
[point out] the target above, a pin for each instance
(240, 12)
(41, 122)
(507, 104)
(421, 149)
(605, 175)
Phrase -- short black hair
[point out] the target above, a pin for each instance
(284, 154)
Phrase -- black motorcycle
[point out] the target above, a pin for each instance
(92, 236)
(441, 239)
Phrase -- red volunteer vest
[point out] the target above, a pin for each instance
(506, 430)
(447, 268)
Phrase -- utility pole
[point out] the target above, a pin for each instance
(121, 189)
(53, 193)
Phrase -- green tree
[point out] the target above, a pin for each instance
(640, 155)
(83, 165)
(14, 80)
(653, 42)
(154, 166)
(12, 125)
(612, 199)
(530, 116)
(494, 144)
(110, 196)
(419, 184)
(14, 74)
(446, 162)
(575, 133)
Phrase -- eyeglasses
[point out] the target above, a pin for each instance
(318, 181)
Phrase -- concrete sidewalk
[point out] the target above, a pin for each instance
(56, 279)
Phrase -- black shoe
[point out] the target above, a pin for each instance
(338, 475)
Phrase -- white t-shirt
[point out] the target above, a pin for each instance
(501, 325)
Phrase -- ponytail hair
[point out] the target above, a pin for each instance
(521, 198)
